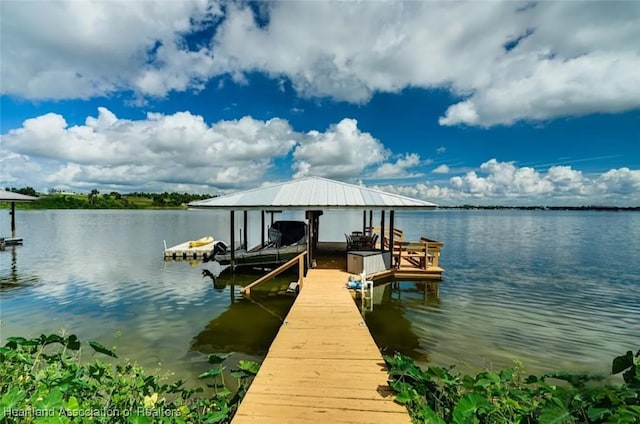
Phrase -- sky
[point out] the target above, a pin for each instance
(478, 102)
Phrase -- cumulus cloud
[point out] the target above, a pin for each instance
(182, 152)
(546, 60)
(504, 183)
(441, 169)
(623, 181)
(400, 168)
(160, 151)
(506, 61)
(72, 49)
(340, 152)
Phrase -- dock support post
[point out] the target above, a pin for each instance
(262, 229)
(382, 230)
(233, 240)
(13, 219)
(244, 225)
(391, 240)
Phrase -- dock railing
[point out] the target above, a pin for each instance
(292, 262)
(433, 248)
(422, 254)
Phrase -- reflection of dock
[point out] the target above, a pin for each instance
(323, 365)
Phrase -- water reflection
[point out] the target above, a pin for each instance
(12, 279)
(247, 326)
(392, 330)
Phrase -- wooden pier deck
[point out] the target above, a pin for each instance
(323, 365)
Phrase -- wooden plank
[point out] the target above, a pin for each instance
(354, 404)
(323, 365)
(312, 414)
(311, 390)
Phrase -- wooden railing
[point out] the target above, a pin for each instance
(297, 260)
(433, 247)
(413, 251)
(421, 254)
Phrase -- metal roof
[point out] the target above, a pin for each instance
(10, 196)
(312, 193)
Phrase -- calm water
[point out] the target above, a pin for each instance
(554, 289)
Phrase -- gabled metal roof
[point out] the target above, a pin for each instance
(9, 196)
(312, 193)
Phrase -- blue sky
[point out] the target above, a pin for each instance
(508, 103)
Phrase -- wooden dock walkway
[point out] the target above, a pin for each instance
(323, 365)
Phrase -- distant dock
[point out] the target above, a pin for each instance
(183, 251)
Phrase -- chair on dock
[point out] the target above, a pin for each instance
(349, 241)
(374, 240)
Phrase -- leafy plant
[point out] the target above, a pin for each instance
(440, 395)
(44, 380)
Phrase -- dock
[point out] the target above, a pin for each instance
(185, 252)
(323, 365)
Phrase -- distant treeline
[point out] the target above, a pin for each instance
(112, 200)
(546, 208)
(140, 200)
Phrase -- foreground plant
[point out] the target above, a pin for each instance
(439, 395)
(43, 380)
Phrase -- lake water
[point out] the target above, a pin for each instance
(557, 290)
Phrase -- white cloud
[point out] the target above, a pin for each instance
(623, 181)
(73, 49)
(554, 87)
(181, 152)
(160, 152)
(571, 58)
(343, 151)
(442, 169)
(568, 181)
(400, 168)
(503, 183)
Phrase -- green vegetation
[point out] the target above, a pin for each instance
(438, 395)
(112, 200)
(46, 380)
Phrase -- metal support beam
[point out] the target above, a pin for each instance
(244, 225)
(262, 229)
(382, 230)
(232, 240)
(391, 240)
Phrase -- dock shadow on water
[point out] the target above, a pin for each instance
(12, 278)
(249, 324)
(390, 327)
